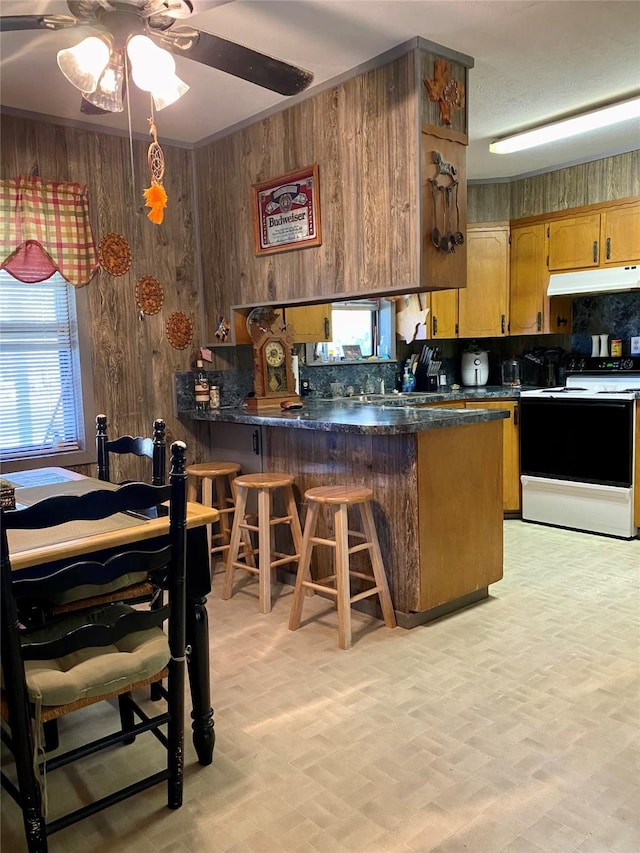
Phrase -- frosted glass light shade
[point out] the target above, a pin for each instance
(168, 91)
(108, 93)
(83, 64)
(149, 63)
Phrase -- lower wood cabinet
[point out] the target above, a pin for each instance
(510, 450)
(636, 470)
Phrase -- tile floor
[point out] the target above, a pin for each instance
(511, 726)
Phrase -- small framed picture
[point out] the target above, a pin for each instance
(351, 351)
(286, 212)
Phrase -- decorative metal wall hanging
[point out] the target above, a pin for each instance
(179, 330)
(444, 188)
(114, 254)
(149, 294)
(447, 91)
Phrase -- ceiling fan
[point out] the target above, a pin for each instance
(119, 22)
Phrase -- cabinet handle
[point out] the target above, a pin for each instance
(608, 248)
(256, 442)
(539, 321)
(503, 323)
(515, 415)
(435, 325)
(595, 251)
(326, 328)
(561, 321)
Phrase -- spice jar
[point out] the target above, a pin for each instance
(214, 397)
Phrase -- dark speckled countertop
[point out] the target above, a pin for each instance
(394, 415)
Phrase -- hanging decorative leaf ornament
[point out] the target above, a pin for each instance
(155, 196)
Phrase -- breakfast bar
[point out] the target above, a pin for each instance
(436, 475)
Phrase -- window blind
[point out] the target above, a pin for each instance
(40, 385)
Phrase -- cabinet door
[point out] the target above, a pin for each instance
(510, 450)
(444, 314)
(636, 470)
(531, 312)
(574, 242)
(483, 304)
(621, 235)
(529, 279)
(311, 323)
(241, 443)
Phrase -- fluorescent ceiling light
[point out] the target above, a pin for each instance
(568, 127)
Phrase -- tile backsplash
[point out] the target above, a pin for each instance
(614, 314)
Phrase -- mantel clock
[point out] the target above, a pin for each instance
(273, 378)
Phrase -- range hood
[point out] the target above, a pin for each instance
(586, 282)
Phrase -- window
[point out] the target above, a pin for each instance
(367, 323)
(47, 401)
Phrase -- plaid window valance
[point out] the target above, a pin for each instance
(45, 227)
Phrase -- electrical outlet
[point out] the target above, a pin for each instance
(635, 345)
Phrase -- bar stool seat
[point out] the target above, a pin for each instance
(339, 498)
(221, 474)
(265, 486)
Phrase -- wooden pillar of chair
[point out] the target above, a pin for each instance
(339, 499)
(265, 486)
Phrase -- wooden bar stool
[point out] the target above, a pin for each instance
(221, 474)
(339, 499)
(264, 485)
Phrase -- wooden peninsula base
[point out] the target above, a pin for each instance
(437, 505)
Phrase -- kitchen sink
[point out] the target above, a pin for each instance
(378, 398)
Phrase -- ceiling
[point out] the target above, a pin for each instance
(534, 60)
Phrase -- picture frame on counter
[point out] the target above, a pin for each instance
(286, 212)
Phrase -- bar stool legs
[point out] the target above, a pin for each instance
(264, 485)
(221, 477)
(340, 498)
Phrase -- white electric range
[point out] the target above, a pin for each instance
(577, 445)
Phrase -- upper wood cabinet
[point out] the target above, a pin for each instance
(311, 323)
(481, 309)
(531, 312)
(620, 235)
(606, 236)
(444, 314)
(574, 243)
(483, 306)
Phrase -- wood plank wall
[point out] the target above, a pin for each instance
(363, 136)
(133, 363)
(586, 183)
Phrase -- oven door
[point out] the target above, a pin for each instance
(581, 440)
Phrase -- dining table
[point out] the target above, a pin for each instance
(34, 551)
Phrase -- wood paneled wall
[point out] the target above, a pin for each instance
(133, 363)
(363, 136)
(587, 183)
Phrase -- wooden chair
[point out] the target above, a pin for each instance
(41, 662)
(154, 449)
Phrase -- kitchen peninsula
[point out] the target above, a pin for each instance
(437, 481)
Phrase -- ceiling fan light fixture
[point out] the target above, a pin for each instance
(108, 93)
(83, 64)
(593, 120)
(168, 91)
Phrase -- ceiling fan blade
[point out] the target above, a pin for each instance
(13, 23)
(236, 59)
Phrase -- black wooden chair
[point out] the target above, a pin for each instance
(40, 662)
(154, 449)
